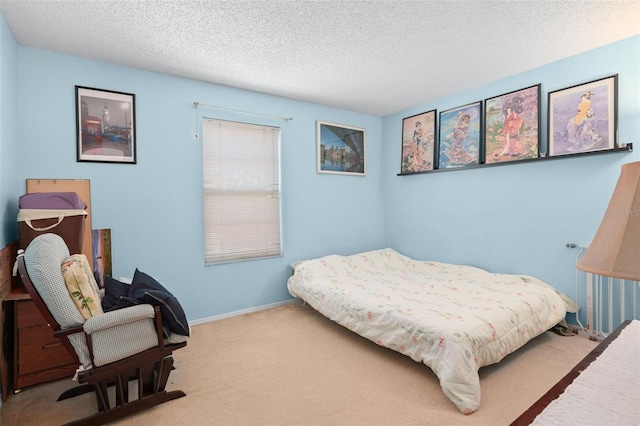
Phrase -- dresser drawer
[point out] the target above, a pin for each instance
(39, 350)
(28, 314)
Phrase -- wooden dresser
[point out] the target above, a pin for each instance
(38, 356)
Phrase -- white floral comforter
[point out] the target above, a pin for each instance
(453, 318)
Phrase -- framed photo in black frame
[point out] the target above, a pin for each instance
(584, 117)
(460, 136)
(105, 125)
(418, 142)
(340, 149)
(512, 126)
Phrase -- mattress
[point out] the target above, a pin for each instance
(453, 318)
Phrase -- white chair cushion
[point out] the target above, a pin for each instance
(43, 258)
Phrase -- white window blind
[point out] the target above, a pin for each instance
(241, 191)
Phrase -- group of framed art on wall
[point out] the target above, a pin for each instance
(506, 128)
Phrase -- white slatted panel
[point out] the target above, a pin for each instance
(241, 191)
(610, 301)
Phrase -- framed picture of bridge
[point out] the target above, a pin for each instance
(340, 149)
(106, 126)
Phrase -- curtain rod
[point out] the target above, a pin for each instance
(197, 104)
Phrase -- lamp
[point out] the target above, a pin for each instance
(615, 249)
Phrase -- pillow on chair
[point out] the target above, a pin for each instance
(147, 290)
(114, 291)
(82, 285)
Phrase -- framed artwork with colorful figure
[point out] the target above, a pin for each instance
(584, 118)
(512, 126)
(460, 136)
(418, 143)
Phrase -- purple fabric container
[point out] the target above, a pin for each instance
(52, 201)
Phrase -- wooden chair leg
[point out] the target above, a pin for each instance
(166, 365)
(146, 380)
(122, 389)
(102, 396)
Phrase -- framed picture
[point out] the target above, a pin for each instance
(105, 125)
(583, 118)
(512, 126)
(418, 142)
(459, 142)
(341, 149)
(102, 264)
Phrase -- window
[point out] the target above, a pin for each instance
(241, 191)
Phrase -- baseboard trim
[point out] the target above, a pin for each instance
(243, 311)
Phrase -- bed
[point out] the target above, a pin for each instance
(600, 389)
(453, 318)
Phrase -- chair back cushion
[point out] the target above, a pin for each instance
(43, 259)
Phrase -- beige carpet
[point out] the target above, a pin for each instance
(291, 366)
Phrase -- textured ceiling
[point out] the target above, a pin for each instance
(377, 57)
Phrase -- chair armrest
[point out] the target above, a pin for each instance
(118, 317)
(68, 331)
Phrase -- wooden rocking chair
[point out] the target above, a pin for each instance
(112, 348)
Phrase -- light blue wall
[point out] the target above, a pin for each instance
(9, 160)
(514, 218)
(154, 208)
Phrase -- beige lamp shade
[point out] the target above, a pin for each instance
(615, 249)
